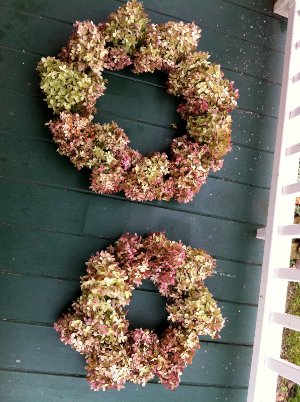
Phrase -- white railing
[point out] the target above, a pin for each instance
(271, 316)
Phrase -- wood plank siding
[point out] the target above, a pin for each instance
(51, 222)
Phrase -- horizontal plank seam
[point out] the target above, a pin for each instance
(64, 232)
(153, 11)
(7, 271)
(62, 279)
(254, 264)
(148, 203)
(27, 322)
(218, 272)
(143, 83)
(95, 237)
(49, 140)
(212, 175)
(208, 28)
(38, 372)
(50, 325)
(260, 78)
(238, 303)
(151, 382)
(223, 68)
(28, 52)
(261, 12)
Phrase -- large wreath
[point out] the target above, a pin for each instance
(97, 325)
(73, 83)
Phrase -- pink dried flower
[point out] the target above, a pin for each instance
(165, 256)
(176, 351)
(164, 45)
(149, 179)
(74, 136)
(116, 59)
(143, 352)
(86, 47)
(189, 168)
(96, 325)
(74, 83)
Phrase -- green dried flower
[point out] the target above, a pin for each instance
(212, 130)
(126, 27)
(165, 45)
(66, 88)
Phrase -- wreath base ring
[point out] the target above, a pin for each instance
(96, 325)
(73, 83)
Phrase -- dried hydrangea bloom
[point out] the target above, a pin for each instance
(75, 138)
(143, 353)
(66, 88)
(149, 179)
(98, 317)
(96, 324)
(111, 158)
(176, 351)
(116, 59)
(213, 131)
(132, 256)
(86, 47)
(111, 141)
(74, 83)
(103, 148)
(110, 370)
(166, 257)
(165, 45)
(189, 168)
(201, 83)
(197, 266)
(105, 279)
(197, 312)
(106, 181)
(126, 27)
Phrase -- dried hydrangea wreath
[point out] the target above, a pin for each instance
(73, 83)
(97, 327)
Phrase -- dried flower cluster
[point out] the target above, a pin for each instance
(96, 325)
(73, 83)
(67, 88)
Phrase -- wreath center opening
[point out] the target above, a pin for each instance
(147, 309)
(155, 119)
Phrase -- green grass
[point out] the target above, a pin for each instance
(291, 339)
(296, 398)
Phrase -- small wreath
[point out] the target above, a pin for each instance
(73, 83)
(97, 326)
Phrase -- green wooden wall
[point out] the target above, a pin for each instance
(51, 222)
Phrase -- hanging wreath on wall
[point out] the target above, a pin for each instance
(97, 327)
(73, 82)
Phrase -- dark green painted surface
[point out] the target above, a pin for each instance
(50, 221)
(40, 350)
(70, 389)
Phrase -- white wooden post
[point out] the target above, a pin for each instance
(271, 317)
